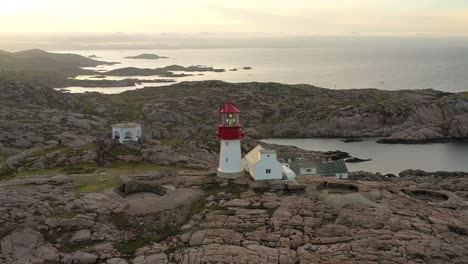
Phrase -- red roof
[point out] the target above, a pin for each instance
(229, 108)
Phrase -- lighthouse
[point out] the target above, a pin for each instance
(230, 134)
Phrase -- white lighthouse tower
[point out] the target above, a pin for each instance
(230, 133)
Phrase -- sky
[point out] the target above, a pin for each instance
(299, 17)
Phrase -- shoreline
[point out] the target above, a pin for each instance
(374, 157)
(380, 140)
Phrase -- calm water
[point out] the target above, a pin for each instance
(341, 67)
(391, 158)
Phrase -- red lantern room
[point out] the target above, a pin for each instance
(230, 127)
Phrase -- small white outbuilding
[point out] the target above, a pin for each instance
(262, 164)
(126, 132)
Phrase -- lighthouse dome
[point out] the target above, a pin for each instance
(229, 108)
(230, 127)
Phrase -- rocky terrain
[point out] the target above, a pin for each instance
(44, 129)
(406, 115)
(418, 218)
(58, 167)
(34, 116)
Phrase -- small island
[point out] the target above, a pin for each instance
(356, 160)
(351, 140)
(147, 56)
(167, 71)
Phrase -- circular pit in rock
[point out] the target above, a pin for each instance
(426, 195)
(337, 187)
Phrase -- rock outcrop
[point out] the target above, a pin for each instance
(419, 217)
(458, 126)
(188, 110)
(27, 246)
(276, 110)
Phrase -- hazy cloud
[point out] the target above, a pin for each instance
(270, 16)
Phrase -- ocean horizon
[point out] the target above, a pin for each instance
(338, 66)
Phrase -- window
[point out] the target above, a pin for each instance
(268, 155)
(227, 143)
(226, 159)
(268, 171)
(308, 170)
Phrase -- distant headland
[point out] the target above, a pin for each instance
(147, 56)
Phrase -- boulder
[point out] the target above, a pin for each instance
(416, 135)
(116, 261)
(75, 223)
(80, 257)
(458, 126)
(164, 116)
(23, 143)
(159, 258)
(81, 235)
(15, 161)
(27, 246)
(89, 157)
(9, 151)
(236, 203)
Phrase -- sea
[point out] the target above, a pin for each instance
(392, 158)
(389, 65)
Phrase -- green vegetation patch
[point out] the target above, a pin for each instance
(38, 172)
(154, 227)
(196, 207)
(3, 158)
(55, 203)
(122, 107)
(72, 169)
(270, 211)
(89, 177)
(79, 169)
(160, 232)
(6, 174)
(44, 151)
(130, 247)
(463, 95)
(232, 188)
(141, 166)
(171, 141)
(172, 250)
(122, 150)
(94, 182)
(62, 151)
(65, 215)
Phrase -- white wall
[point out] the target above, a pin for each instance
(342, 175)
(134, 131)
(303, 171)
(230, 156)
(268, 161)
